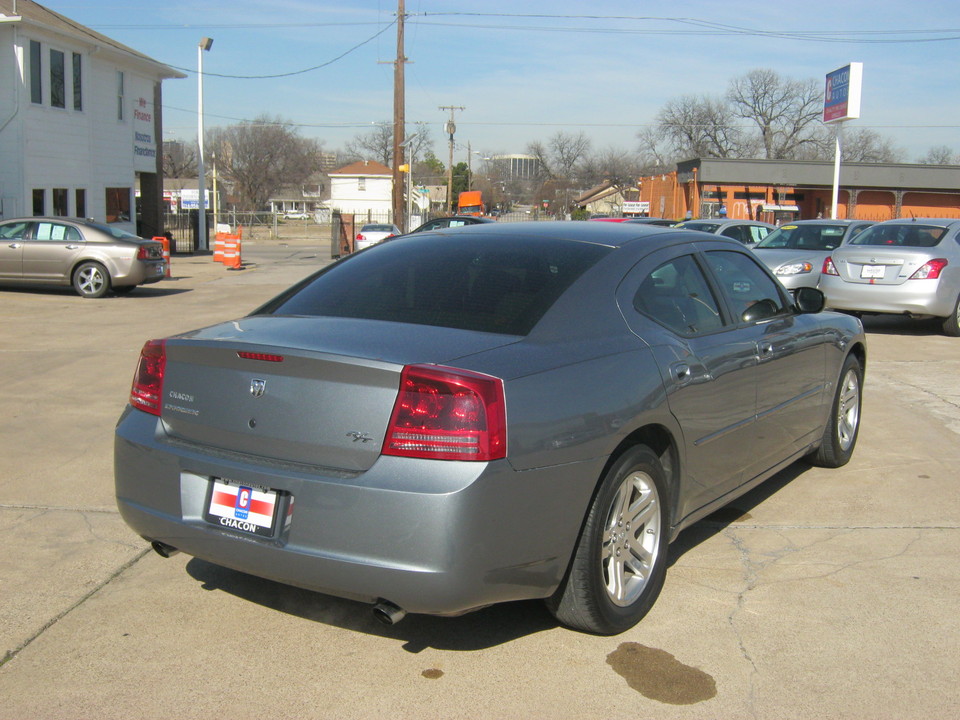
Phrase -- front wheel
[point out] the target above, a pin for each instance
(91, 280)
(620, 561)
(951, 323)
(843, 425)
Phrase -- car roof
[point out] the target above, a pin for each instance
(828, 221)
(943, 222)
(609, 234)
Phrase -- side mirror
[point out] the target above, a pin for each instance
(760, 310)
(808, 300)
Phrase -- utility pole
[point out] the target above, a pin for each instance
(399, 120)
(451, 128)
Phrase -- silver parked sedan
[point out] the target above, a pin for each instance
(908, 267)
(511, 411)
(746, 231)
(92, 257)
(795, 252)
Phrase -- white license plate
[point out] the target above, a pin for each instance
(873, 271)
(242, 507)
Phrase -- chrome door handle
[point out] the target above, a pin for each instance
(765, 349)
(681, 373)
(14, 246)
(73, 247)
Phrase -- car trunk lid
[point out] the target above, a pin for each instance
(313, 391)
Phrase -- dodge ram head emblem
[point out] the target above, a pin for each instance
(258, 387)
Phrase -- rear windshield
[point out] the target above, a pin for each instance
(804, 237)
(701, 226)
(912, 235)
(497, 286)
(377, 228)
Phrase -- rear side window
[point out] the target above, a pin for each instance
(501, 286)
(912, 235)
(677, 296)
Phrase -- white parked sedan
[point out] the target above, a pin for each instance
(372, 233)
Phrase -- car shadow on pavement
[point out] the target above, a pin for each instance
(902, 325)
(478, 630)
(737, 512)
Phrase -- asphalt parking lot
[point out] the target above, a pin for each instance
(821, 594)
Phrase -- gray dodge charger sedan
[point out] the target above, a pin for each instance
(501, 412)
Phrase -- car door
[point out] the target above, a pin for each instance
(707, 364)
(51, 251)
(12, 239)
(790, 351)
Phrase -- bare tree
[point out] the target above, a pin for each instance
(939, 155)
(260, 157)
(618, 167)
(560, 163)
(868, 146)
(377, 144)
(701, 127)
(786, 112)
(179, 159)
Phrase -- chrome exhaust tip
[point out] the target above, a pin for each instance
(388, 613)
(163, 550)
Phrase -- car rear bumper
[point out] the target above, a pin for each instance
(140, 273)
(429, 536)
(916, 297)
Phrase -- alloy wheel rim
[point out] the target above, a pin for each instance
(848, 410)
(91, 280)
(631, 539)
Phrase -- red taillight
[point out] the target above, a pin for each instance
(828, 267)
(447, 414)
(143, 253)
(931, 270)
(146, 393)
(359, 236)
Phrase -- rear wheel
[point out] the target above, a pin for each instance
(91, 280)
(843, 425)
(951, 324)
(621, 558)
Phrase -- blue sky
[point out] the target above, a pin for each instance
(605, 68)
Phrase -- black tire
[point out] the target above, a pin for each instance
(843, 424)
(620, 561)
(951, 323)
(91, 280)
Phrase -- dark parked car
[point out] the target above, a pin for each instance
(94, 258)
(529, 410)
(451, 222)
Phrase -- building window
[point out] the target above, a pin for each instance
(36, 78)
(118, 205)
(361, 184)
(81, 202)
(77, 81)
(119, 95)
(39, 202)
(60, 202)
(58, 79)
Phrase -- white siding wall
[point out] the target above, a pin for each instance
(48, 147)
(346, 196)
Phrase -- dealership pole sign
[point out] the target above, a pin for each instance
(841, 99)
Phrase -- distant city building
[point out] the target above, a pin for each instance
(518, 167)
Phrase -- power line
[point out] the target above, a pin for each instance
(295, 72)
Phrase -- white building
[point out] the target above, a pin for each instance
(80, 122)
(363, 188)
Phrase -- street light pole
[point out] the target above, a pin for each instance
(203, 46)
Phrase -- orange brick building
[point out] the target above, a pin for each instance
(783, 190)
